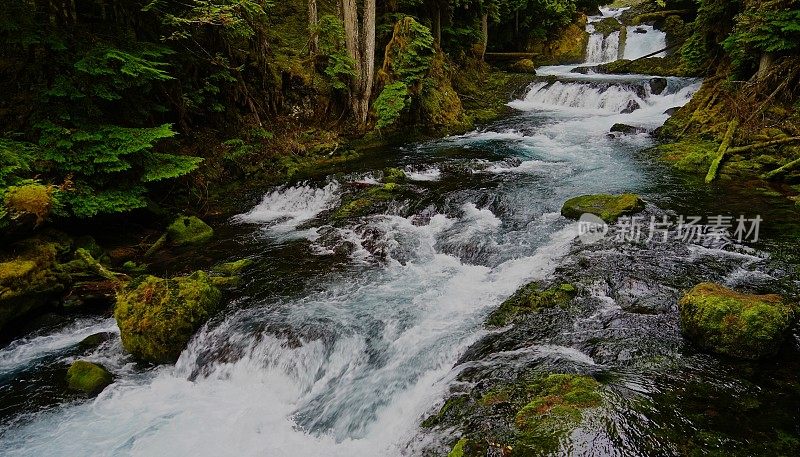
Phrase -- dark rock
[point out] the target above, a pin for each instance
(88, 377)
(632, 106)
(93, 341)
(672, 111)
(658, 85)
(627, 129)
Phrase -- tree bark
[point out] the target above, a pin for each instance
(764, 66)
(313, 35)
(360, 43)
(485, 33)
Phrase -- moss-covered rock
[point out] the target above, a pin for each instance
(232, 268)
(184, 231)
(369, 200)
(607, 26)
(440, 106)
(735, 324)
(524, 66)
(458, 448)
(655, 66)
(569, 47)
(157, 317)
(394, 175)
(88, 377)
(554, 410)
(530, 299)
(606, 207)
(690, 154)
(31, 280)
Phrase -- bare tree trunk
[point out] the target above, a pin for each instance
(485, 33)
(437, 25)
(764, 66)
(313, 35)
(360, 43)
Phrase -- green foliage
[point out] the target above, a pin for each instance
(16, 158)
(762, 29)
(339, 68)
(390, 104)
(711, 27)
(410, 53)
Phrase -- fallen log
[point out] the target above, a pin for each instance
(723, 149)
(782, 170)
(766, 144)
(510, 55)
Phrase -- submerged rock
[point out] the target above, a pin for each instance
(88, 377)
(184, 231)
(627, 129)
(735, 324)
(532, 415)
(606, 207)
(157, 317)
(658, 85)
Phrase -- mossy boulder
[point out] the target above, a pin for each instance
(607, 26)
(184, 231)
(567, 47)
(524, 66)
(530, 299)
(31, 280)
(736, 324)
(606, 207)
(554, 410)
(157, 317)
(394, 175)
(88, 377)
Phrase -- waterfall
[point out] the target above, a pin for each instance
(602, 49)
(643, 40)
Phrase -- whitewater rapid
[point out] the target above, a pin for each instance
(351, 364)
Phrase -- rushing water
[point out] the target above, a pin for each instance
(345, 335)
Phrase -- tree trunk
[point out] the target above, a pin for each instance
(764, 66)
(313, 35)
(485, 33)
(437, 26)
(360, 43)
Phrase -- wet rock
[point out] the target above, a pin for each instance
(658, 85)
(232, 268)
(30, 281)
(627, 129)
(607, 207)
(157, 317)
(394, 175)
(184, 231)
(567, 47)
(93, 341)
(530, 299)
(583, 70)
(524, 66)
(672, 111)
(632, 106)
(736, 324)
(88, 377)
(370, 200)
(640, 30)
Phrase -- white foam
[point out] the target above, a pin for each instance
(284, 209)
(24, 351)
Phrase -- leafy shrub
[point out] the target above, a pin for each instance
(390, 104)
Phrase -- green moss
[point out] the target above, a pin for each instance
(735, 324)
(458, 449)
(233, 268)
(184, 231)
(393, 175)
(33, 201)
(607, 26)
(454, 406)
(88, 377)
(530, 299)
(554, 410)
(607, 207)
(690, 155)
(31, 281)
(654, 66)
(157, 317)
(368, 200)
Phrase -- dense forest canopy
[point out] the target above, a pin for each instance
(99, 94)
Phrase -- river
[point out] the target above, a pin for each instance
(345, 335)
